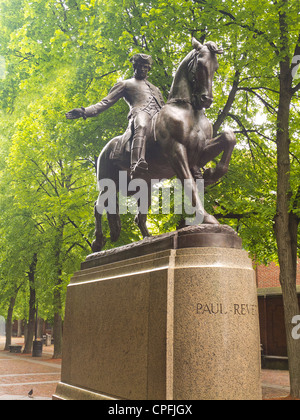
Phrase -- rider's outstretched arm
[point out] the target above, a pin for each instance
(114, 95)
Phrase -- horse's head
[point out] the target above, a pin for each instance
(201, 69)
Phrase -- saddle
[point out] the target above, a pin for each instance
(122, 146)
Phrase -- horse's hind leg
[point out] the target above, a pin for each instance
(99, 242)
(225, 143)
(113, 218)
(114, 222)
(141, 217)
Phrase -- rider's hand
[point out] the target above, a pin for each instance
(76, 113)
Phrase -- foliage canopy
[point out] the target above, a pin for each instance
(61, 54)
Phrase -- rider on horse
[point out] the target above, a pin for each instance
(144, 99)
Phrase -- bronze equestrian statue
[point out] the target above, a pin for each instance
(177, 137)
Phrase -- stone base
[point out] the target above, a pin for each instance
(178, 324)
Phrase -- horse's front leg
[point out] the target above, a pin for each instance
(225, 143)
(141, 221)
(179, 161)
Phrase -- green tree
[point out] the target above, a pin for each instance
(64, 54)
(49, 182)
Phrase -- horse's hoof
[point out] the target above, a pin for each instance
(96, 246)
(210, 220)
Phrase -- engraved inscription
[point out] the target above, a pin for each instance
(244, 309)
(210, 308)
(240, 309)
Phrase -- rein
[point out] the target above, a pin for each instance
(193, 102)
(180, 100)
(191, 67)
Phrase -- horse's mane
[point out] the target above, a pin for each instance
(192, 60)
(188, 66)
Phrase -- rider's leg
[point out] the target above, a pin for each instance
(138, 146)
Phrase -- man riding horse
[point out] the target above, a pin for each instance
(144, 100)
(175, 138)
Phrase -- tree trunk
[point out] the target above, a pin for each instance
(57, 327)
(9, 321)
(57, 299)
(32, 306)
(285, 220)
(57, 335)
(291, 308)
(231, 97)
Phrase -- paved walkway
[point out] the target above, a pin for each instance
(275, 384)
(20, 373)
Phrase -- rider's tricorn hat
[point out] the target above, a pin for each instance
(141, 59)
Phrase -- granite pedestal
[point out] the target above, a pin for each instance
(164, 318)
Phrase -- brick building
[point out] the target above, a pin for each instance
(268, 276)
(271, 315)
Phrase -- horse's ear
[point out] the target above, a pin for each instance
(196, 44)
(212, 46)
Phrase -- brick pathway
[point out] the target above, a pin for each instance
(275, 384)
(19, 373)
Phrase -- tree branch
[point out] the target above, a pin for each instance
(250, 28)
(269, 107)
(45, 176)
(245, 132)
(237, 216)
(296, 88)
(77, 228)
(231, 97)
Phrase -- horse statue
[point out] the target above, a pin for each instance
(179, 142)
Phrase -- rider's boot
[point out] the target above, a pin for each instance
(139, 166)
